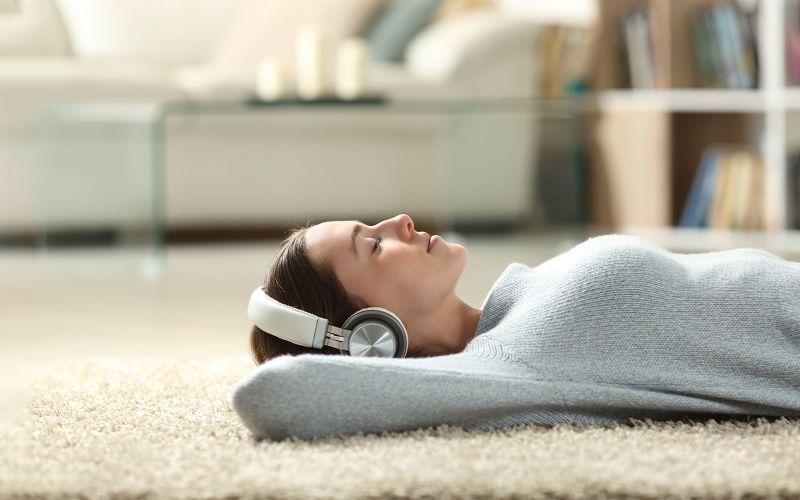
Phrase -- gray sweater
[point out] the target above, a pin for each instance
(615, 328)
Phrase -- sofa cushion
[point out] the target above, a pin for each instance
(396, 26)
(28, 86)
(36, 29)
(478, 54)
(480, 47)
(166, 32)
(269, 27)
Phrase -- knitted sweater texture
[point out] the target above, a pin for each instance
(615, 328)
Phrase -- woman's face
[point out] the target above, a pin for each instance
(388, 265)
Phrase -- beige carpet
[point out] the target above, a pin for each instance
(163, 429)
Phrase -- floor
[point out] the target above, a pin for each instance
(98, 303)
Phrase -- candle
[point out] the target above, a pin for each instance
(270, 80)
(310, 63)
(351, 68)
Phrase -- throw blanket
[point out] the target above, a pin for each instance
(615, 328)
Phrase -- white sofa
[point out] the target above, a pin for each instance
(266, 168)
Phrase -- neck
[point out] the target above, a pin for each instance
(446, 330)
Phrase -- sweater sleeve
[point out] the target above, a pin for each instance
(312, 395)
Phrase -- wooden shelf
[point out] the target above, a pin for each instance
(647, 143)
(672, 46)
(696, 100)
(685, 100)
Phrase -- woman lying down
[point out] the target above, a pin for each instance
(613, 329)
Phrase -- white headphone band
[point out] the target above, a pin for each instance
(305, 329)
(287, 322)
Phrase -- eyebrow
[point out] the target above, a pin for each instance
(353, 234)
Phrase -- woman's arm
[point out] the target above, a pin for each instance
(312, 395)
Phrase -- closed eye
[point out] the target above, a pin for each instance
(377, 244)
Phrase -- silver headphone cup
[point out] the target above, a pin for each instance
(372, 338)
(375, 332)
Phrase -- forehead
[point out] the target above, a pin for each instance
(326, 239)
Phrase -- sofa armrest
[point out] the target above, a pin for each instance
(484, 50)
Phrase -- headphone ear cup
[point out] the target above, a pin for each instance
(376, 332)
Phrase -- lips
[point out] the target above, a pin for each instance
(428, 249)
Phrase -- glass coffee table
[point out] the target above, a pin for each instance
(102, 173)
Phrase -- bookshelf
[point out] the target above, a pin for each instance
(647, 141)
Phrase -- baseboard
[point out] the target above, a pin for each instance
(177, 235)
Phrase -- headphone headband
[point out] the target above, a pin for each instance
(287, 322)
(372, 331)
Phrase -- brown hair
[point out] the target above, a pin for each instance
(293, 280)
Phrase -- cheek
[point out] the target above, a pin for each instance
(412, 274)
(357, 282)
(403, 280)
(395, 271)
(376, 285)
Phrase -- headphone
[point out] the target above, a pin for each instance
(369, 332)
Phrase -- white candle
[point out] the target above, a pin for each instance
(270, 80)
(310, 63)
(351, 68)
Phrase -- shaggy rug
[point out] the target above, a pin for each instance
(163, 429)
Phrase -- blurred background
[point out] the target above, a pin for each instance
(153, 154)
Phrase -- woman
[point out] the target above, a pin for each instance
(334, 268)
(615, 328)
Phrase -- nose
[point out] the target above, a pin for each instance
(403, 224)
(406, 224)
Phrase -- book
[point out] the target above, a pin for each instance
(705, 50)
(726, 52)
(755, 213)
(748, 56)
(792, 42)
(698, 203)
(724, 192)
(719, 217)
(638, 45)
(742, 165)
(727, 191)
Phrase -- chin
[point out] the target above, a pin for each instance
(458, 248)
(461, 256)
